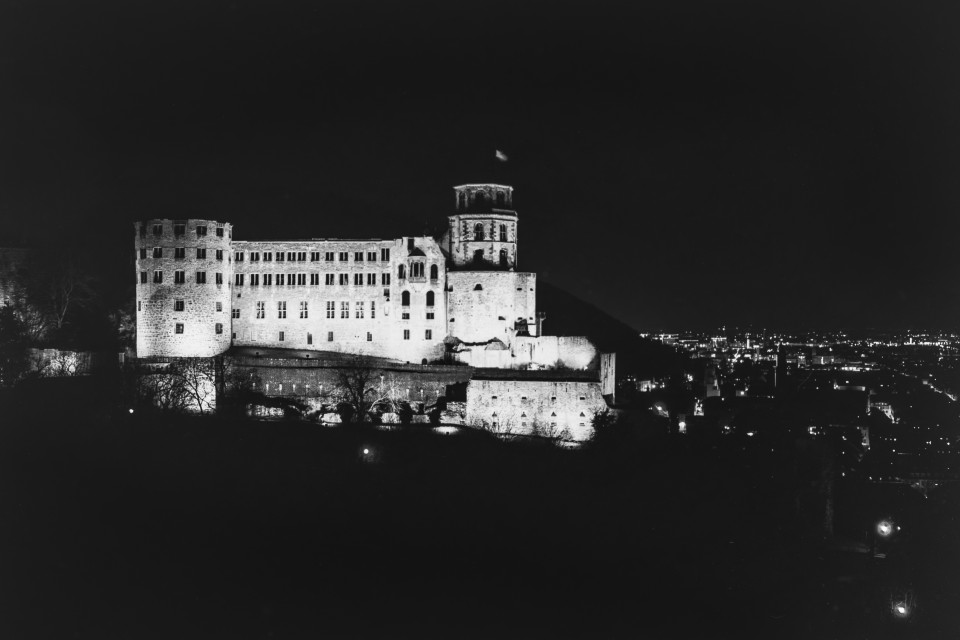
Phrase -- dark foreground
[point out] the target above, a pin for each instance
(119, 526)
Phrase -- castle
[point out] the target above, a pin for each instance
(416, 299)
(412, 299)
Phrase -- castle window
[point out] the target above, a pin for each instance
(139, 305)
(178, 305)
(201, 277)
(478, 256)
(369, 337)
(178, 328)
(553, 398)
(309, 341)
(179, 253)
(503, 257)
(358, 256)
(179, 277)
(201, 253)
(301, 256)
(143, 277)
(157, 252)
(405, 315)
(329, 336)
(358, 279)
(235, 314)
(314, 256)
(583, 398)
(179, 228)
(304, 311)
(238, 279)
(373, 308)
(201, 230)
(291, 256)
(428, 334)
(279, 256)
(281, 340)
(220, 307)
(385, 279)
(371, 279)
(314, 279)
(331, 309)
(301, 279)
(410, 244)
(254, 256)
(430, 298)
(158, 229)
(359, 307)
(416, 270)
(405, 299)
(461, 200)
(268, 256)
(429, 315)
(384, 255)
(219, 278)
(344, 256)
(219, 232)
(238, 256)
(344, 279)
(434, 272)
(328, 256)
(344, 310)
(371, 256)
(268, 279)
(261, 310)
(479, 198)
(219, 254)
(282, 309)
(328, 279)
(143, 253)
(478, 231)
(218, 328)
(406, 334)
(478, 287)
(401, 272)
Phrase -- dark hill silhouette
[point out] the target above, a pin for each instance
(568, 315)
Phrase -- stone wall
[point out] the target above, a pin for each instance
(158, 304)
(483, 305)
(550, 408)
(572, 352)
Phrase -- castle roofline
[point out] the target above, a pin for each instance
(483, 184)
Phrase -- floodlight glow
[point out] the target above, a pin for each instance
(130, 410)
(366, 451)
(884, 528)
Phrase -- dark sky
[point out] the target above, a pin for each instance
(677, 163)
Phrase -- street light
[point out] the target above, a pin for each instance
(884, 528)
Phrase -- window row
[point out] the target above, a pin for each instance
(301, 256)
(180, 229)
(180, 253)
(180, 277)
(300, 279)
(360, 310)
(480, 233)
(417, 271)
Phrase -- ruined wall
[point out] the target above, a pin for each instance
(191, 304)
(572, 352)
(548, 408)
(482, 305)
(367, 315)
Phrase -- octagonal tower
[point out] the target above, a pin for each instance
(483, 231)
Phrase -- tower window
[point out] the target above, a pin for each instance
(405, 299)
(503, 232)
(178, 328)
(479, 287)
(434, 272)
(430, 298)
(219, 328)
(178, 305)
(478, 231)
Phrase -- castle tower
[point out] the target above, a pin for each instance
(184, 279)
(483, 232)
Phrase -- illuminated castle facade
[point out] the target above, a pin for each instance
(413, 299)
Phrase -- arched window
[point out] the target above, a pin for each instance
(405, 299)
(401, 272)
(478, 231)
(416, 270)
(430, 298)
(434, 272)
(461, 201)
(479, 198)
(501, 198)
(503, 233)
(503, 257)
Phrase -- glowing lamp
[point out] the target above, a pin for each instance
(366, 451)
(130, 410)
(884, 528)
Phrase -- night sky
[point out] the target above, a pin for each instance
(679, 164)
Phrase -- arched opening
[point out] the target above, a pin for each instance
(434, 272)
(479, 198)
(405, 299)
(501, 198)
(503, 233)
(479, 287)
(461, 201)
(478, 231)
(503, 257)
(416, 269)
(430, 298)
(401, 272)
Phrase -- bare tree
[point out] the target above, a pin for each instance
(196, 378)
(362, 387)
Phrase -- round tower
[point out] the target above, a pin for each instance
(483, 231)
(184, 279)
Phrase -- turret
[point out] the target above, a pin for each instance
(483, 231)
